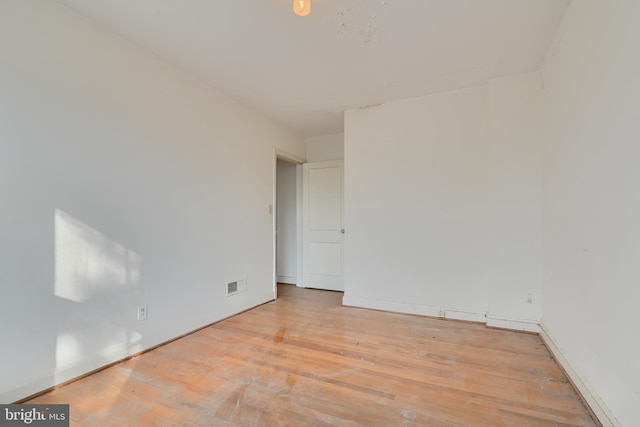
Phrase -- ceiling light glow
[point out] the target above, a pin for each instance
(302, 7)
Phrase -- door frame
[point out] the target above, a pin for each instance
(290, 158)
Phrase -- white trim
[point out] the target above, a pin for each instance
(291, 158)
(63, 375)
(586, 390)
(290, 280)
(272, 212)
(591, 398)
(422, 310)
(112, 356)
(513, 324)
(299, 226)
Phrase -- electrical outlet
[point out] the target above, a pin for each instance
(441, 313)
(529, 298)
(143, 312)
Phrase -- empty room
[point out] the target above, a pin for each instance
(320, 212)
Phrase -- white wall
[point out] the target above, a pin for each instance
(591, 286)
(515, 214)
(286, 218)
(416, 205)
(325, 147)
(443, 204)
(123, 182)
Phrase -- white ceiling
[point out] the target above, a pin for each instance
(305, 71)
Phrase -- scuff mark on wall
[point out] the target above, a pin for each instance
(366, 107)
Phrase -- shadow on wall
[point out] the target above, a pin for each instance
(97, 288)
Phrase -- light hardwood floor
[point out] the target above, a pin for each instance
(304, 360)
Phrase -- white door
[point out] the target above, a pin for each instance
(322, 211)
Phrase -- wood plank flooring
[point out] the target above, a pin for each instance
(304, 360)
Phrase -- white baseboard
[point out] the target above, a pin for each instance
(513, 324)
(422, 310)
(64, 375)
(591, 398)
(289, 280)
(113, 355)
(604, 415)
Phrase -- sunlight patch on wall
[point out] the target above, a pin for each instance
(122, 344)
(68, 351)
(87, 262)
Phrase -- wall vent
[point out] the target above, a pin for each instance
(232, 288)
(236, 287)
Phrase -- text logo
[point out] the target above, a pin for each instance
(34, 415)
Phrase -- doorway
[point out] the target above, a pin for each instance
(287, 220)
(308, 224)
(286, 223)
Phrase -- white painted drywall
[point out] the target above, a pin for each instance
(325, 147)
(443, 204)
(515, 210)
(123, 182)
(591, 199)
(416, 191)
(286, 219)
